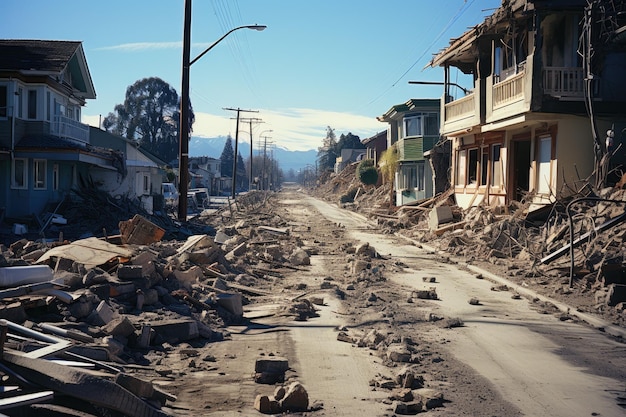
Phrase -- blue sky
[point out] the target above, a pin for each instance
(319, 63)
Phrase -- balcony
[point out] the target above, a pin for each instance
(461, 114)
(509, 90)
(564, 82)
(65, 127)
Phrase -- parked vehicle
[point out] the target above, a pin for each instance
(201, 197)
(170, 193)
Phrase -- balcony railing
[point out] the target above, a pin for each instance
(460, 108)
(563, 81)
(65, 127)
(509, 90)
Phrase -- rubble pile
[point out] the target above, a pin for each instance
(125, 302)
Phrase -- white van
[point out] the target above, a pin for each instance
(170, 194)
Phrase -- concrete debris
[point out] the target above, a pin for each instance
(294, 398)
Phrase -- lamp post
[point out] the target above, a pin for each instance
(183, 155)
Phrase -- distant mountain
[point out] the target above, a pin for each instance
(287, 159)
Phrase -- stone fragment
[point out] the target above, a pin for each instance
(299, 257)
(398, 353)
(408, 408)
(119, 326)
(296, 398)
(130, 272)
(103, 314)
(266, 405)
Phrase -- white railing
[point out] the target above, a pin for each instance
(508, 90)
(65, 127)
(563, 81)
(459, 108)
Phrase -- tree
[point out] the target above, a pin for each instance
(227, 158)
(327, 153)
(150, 116)
(349, 141)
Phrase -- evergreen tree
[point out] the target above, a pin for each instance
(227, 158)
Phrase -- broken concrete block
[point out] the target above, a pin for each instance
(430, 398)
(176, 330)
(296, 398)
(279, 393)
(130, 272)
(270, 370)
(189, 277)
(439, 215)
(143, 341)
(135, 385)
(365, 249)
(398, 353)
(232, 303)
(220, 237)
(409, 408)
(371, 339)
(103, 314)
(119, 326)
(266, 405)
(274, 364)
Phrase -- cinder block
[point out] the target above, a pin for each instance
(439, 215)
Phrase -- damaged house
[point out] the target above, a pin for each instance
(45, 150)
(548, 88)
(413, 131)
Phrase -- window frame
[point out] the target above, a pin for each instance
(4, 101)
(24, 171)
(40, 174)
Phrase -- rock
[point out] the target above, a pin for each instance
(430, 398)
(398, 353)
(266, 405)
(371, 339)
(299, 257)
(296, 398)
(408, 408)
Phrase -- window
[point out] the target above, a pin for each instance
(20, 103)
(461, 166)
(146, 184)
(484, 165)
(496, 165)
(472, 173)
(421, 124)
(544, 158)
(408, 177)
(32, 104)
(412, 126)
(48, 105)
(39, 174)
(55, 177)
(19, 174)
(421, 180)
(3, 101)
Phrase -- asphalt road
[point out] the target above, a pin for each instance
(540, 364)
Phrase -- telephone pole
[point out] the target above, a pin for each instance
(250, 121)
(234, 178)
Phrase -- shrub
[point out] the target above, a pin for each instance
(366, 172)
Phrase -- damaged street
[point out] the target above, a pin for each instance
(293, 305)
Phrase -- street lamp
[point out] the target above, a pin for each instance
(183, 156)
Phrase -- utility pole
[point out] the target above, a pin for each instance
(234, 178)
(250, 121)
(264, 159)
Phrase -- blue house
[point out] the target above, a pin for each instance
(44, 148)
